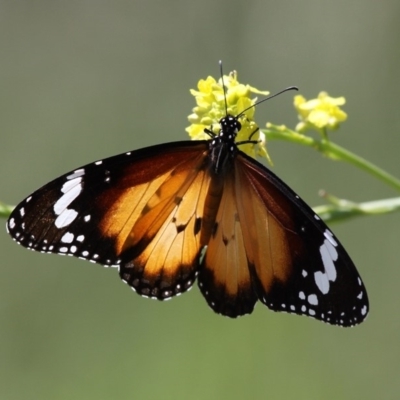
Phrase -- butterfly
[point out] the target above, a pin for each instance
(169, 214)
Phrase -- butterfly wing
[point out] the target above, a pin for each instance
(140, 211)
(296, 262)
(224, 277)
(150, 212)
(268, 244)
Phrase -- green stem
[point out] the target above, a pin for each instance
(5, 210)
(344, 209)
(332, 151)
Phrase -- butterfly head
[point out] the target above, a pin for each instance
(230, 127)
(220, 105)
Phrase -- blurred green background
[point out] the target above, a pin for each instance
(83, 80)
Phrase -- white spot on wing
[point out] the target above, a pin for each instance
(329, 255)
(76, 174)
(364, 310)
(65, 218)
(322, 282)
(70, 184)
(329, 235)
(313, 299)
(332, 251)
(71, 190)
(68, 237)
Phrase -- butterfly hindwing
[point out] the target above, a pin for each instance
(224, 277)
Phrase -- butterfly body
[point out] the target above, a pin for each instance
(168, 214)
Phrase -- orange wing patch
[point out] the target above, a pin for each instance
(253, 244)
(158, 233)
(176, 242)
(225, 278)
(270, 238)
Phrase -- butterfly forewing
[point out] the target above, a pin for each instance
(298, 265)
(140, 211)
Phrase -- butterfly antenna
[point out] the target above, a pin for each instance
(267, 98)
(223, 86)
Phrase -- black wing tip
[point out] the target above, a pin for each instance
(345, 319)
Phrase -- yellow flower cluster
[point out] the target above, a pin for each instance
(320, 113)
(210, 100)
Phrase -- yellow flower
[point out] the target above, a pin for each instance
(321, 113)
(210, 100)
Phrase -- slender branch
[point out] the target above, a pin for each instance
(5, 210)
(333, 151)
(341, 209)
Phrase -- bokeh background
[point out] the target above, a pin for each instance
(83, 80)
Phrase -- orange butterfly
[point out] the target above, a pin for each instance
(168, 214)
